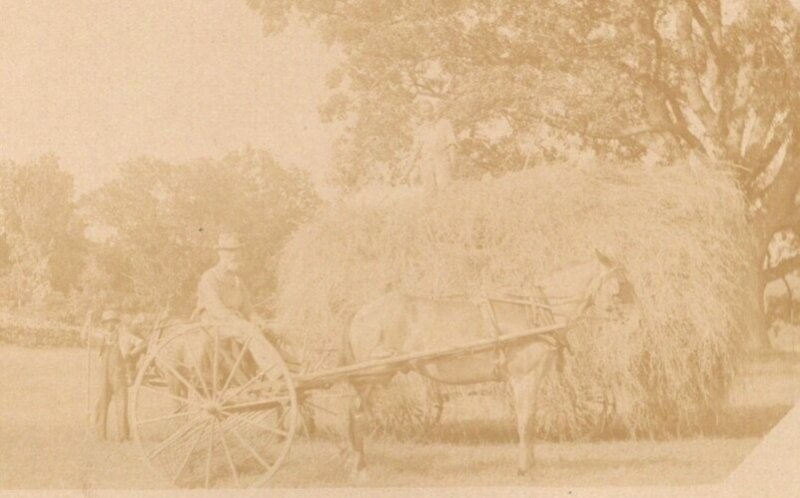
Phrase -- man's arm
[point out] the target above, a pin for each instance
(129, 344)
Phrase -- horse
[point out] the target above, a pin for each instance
(405, 324)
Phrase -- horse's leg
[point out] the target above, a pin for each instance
(525, 388)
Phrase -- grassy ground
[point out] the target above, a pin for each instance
(44, 444)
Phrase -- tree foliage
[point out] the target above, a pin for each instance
(647, 79)
(41, 235)
(159, 225)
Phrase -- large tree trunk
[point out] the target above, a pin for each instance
(778, 212)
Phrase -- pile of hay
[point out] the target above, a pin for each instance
(681, 232)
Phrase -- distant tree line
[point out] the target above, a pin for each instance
(141, 241)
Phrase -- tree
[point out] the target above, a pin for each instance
(649, 79)
(159, 224)
(41, 235)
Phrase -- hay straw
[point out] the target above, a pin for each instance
(682, 234)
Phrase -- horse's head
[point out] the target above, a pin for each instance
(611, 293)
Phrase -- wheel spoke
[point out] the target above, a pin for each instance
(167, 417)
(236, 363)
(228, 456)
(278, 423)
(319, 407)
(259, 403)
(248, 383)
(250, 449)
(181, 378)
(188, 455)
(320, 395)
(210, 452)
(195, 367)
(214, 365)
(186, 428)
(163, 392)
(262, 427)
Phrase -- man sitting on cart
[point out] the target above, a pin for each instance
(223, 297)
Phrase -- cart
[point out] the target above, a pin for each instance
(211, 410)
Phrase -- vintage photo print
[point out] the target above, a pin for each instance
(505, 247)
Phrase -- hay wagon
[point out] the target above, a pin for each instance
(212, 410)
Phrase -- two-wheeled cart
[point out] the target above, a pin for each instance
(213, 407)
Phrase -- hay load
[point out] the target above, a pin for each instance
(680, 232)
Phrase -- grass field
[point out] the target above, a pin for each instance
(44, 444)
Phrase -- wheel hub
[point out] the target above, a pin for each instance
(213, 409)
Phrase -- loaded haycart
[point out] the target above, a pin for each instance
(214, 406)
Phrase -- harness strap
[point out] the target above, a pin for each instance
(487, 310)
(545, 316)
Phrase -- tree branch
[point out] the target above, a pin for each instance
(710, 34)
(735, 97)
(629, 132)
(781, 269)
(779, 197)
(759, 160)
(651, 30)
(789, 221)
(691, 81)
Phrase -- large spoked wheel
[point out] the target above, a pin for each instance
(214, 406)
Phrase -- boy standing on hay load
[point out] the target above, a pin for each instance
(433, 150)
(223, 297)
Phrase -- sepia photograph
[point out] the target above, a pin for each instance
(333, 244)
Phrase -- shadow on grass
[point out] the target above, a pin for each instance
(472, 431)
(734, 422)
(751, 421)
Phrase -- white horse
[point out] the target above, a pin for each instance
(406, 324)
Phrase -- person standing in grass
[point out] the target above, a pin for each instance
(116, 345)
(433, 150)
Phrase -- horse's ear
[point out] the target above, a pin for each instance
(605, 260)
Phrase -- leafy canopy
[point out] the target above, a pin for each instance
(160, 224)
(41, 235)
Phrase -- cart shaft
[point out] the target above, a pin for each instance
(324, 378)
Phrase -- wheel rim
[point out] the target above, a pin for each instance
(212, 410)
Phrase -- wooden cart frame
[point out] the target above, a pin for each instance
(232, 423)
